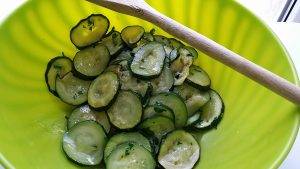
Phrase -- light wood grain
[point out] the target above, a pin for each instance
(141, 9)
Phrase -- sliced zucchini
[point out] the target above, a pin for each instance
(92, 61)
(212, 112)
(85, 142)
(168, 50)
(174, 102)
(193, 51)
(71, 89)
(158, 125)
(121, 138)
(132, 34)
(174, 54)
(130, 156)
(124, 55)
(84, 113)
(179, 150)
(198, 78)
(89, 30)
(193, 119)
(164, 82)
(103, 90)
(193, 98)
(180, 66)
(58, 66)
(113, 42)
(158, 109)
(148, 61)
(176, 44)
(126, 111)
(162, 39)
(128, 82)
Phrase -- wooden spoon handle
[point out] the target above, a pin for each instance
(266, 78)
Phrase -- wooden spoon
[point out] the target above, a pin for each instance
(140, 9)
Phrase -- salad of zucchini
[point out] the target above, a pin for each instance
(137, 96)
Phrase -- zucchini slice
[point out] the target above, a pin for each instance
(92, 61)
(193, 98)
(168, 50)
(193, 119)
(103, 90)
(179, 150)
(158, 125)
(198, 78)
(58, 66)
(148, 61)
(126, 111)
(128, 82)
(174, 102)
(121, 138)
(162, 39)
(123, 56)
(212, 112)
(113, 42)
(158, 109)
(84, 113)
(132, 34)
(176, 44)
(89, 30)
(164, 82)
(180, 66)
(174, 54)
(193, 51)
(71, 89)
(84, 143)
(130, 156)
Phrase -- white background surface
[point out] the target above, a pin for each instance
(268, 10)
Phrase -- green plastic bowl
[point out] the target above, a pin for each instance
(258, 128)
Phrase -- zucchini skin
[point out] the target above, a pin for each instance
(104, 108)
(203, 88)
(48, 69)
(215, 122)
(82, 20)
(143, 77)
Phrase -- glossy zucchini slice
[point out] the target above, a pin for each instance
(193, 119)
(174, 54)
(180, 66)
(158, 109)
(174, 102)
(164, 82)
(198, 78)
(158, 125)
(132, 34)
(212, 112)
(130, 156)
(58, 66)
(84, 143)
(121, 138)
(176, 44)
(179, 150)
(113, 42)
(193, 98)
(162, 39)
(71, 89)
(123, 56)
(103, 90)
(84, 113)
(126, 111)
(89, 30)
(193, 51)
(92, 61)
(148, 61)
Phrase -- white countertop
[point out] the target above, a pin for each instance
(268, 10)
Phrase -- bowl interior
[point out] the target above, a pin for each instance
(257, 130)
